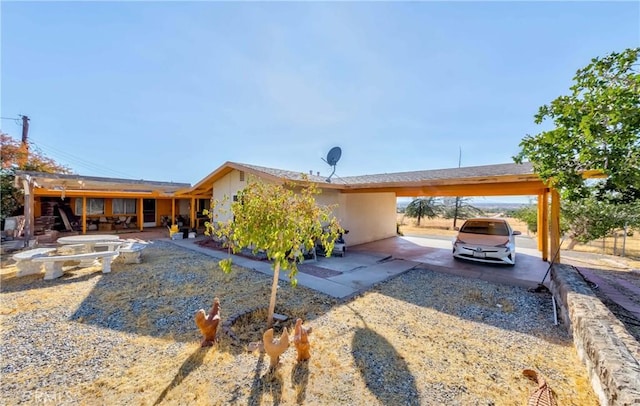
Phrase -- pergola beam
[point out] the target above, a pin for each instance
(492, 189)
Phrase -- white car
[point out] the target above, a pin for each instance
(488, 240)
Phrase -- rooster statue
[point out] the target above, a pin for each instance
(275, 348)
(301, 341)
(543, 396)
(208, 324)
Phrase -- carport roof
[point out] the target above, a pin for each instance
(68, 182)
(487, 180)
(469, 172)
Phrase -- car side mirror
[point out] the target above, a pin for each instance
(456, 228)
(516, 232)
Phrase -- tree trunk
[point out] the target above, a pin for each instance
(274, 290)
(572, 244)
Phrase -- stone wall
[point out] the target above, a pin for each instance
(610, 353)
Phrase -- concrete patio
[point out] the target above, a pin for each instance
(368, 264)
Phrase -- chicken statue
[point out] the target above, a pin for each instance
(208, 324)
(543, 396)
(301, 341)
(275, 348)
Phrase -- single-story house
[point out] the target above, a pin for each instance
(366, 205)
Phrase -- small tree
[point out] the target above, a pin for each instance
(12, 155)
(423, 207)
(529, 215)
(280, 220)
(459, 208)
(591, 218)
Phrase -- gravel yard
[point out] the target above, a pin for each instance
(423, 338)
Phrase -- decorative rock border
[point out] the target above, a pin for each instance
(610, 354)
(230, 321)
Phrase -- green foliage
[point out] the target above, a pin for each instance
(597, 127)
(10, 197)
(528, 215)
(592, 218)
(428, 207)
(283, 221)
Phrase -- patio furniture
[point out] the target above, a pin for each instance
(131, 253)
(87, 243)
(24, 263)
(53, 264)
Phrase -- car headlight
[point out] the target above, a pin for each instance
(503, 245)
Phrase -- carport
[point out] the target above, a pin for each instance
(489, 180)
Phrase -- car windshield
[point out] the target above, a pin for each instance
(485, 227)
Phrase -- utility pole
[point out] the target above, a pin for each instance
(24, 147)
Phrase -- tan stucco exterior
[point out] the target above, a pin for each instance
(223, 191)
(368, 216)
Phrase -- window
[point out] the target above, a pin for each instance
(124, 206)
(241, 176)
(94, 206)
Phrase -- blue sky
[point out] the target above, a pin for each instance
(172, 90)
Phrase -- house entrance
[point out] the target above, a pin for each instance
(149, 212)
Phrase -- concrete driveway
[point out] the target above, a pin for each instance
(367, 264)
(435, 254)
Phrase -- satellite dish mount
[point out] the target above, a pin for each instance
(332, 159)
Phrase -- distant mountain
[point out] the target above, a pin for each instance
(499, 205)
(486, 206)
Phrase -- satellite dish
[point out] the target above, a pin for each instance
(334, 156)
(332, 159)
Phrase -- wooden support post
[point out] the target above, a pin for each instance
(539, 223)
(173, 211)
(192, 215)
(84, 214)
(140, 215)
(543, 227)
(554, 226)
(29, 203)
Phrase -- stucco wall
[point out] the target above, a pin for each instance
(224, 190)
(330, 197)
(368, 216)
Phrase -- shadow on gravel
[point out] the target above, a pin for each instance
(189, 365)
(159, 297)
(385, 372)
(270, 382)
(300, 380)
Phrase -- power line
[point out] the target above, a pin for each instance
(81, 162)
(20, 121)
(16, 120)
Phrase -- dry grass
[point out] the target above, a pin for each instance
(441, 226)
(131, 339)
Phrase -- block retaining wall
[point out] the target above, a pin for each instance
(610, 354)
